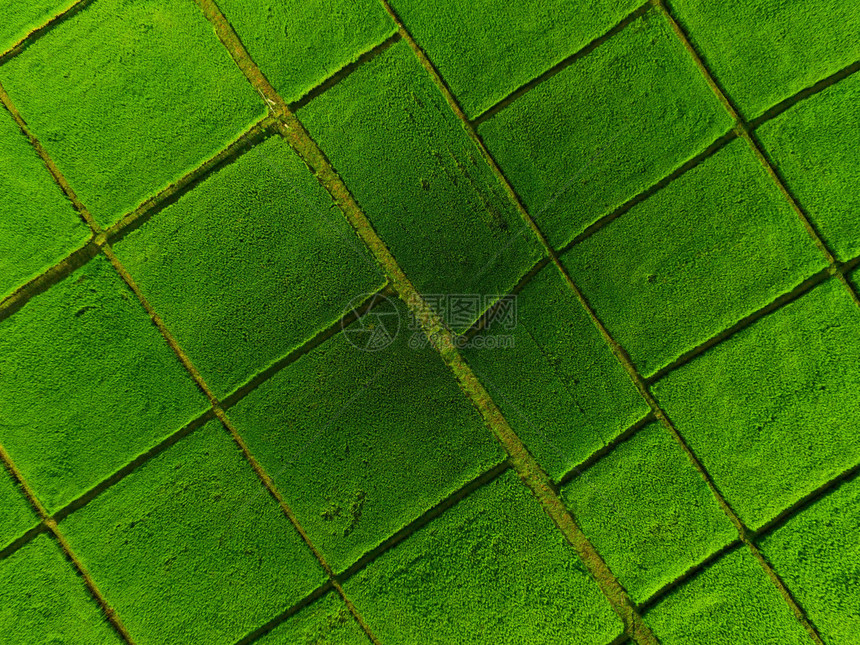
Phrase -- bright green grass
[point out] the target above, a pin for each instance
(127, 96)
(773, 412)
(487, 49)
(326, 622)
(492, 569)
(361, 443)
(559, 386)
(816, 148)
(38, 226)
(42, 600)
(16, 514)
(17, 18)
(731, 602)
(86, 384)
(817, 554)
(763, 51)
(249, 264)
(602, 130)
(715, 245)
(190, 548)
(423, 184)
(299, 45)
(648, 512)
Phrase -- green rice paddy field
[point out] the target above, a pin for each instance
(403, 322)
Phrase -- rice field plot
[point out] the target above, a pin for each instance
(815, 146)
(491, 569)
(764, 52)
(298, 46)
(605, 128)
(577, 397)
(485, 55)
(772, 412)
(71, 416)
(250, 265)
(154, 96)
(423, 184)
(361, 443)
(162, 541)
(715, 245)
(39, 226)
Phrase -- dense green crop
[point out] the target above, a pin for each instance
(715, 245)
(190, 548)
(576, 395)
(817, 553)
(18, 18)
(299, 45)
(605, 128)
(362, 485)
(38, 226)
(816, 147)
(486, 51)
(326, 622)
(431, 197)
(127, 96)
(731, 602)
(249, 265)
(492, 569)
(42, 600)
(17, 515)
(86, 384)
(361, 443)
(649, 512)
(764, 51)
(773, 412)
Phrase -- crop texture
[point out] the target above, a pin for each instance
(39, 226)
(469, 322)
(175, 99)
(254, 223)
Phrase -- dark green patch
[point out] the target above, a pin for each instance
(17, 18)
(601, 131)
(190, 548)
(127, 96)
(486, 51)
(38, 226)
(16, 514)
(362, 442)
(817, 554)
(816, 147)
(249, 265)
(715, 245)
(420, 179)
(42, 600)
(559, 385)
(763, 51)
(649, 512)
(731, 602)
(299, 45)
(492, 569)
(326, 622)
(773, 412)
(86, 384)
